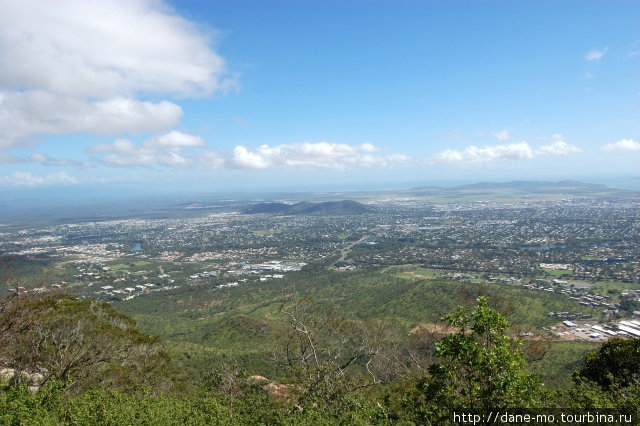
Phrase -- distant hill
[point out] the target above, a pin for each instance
(328, 208)
(565, 186)
(521, 187)
(266, 208)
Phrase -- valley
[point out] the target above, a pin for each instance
(212, 284)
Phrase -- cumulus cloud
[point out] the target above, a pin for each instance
(45, 160)
(213, 159)
(87, 66)
(558, 148)
(473, 154)
(29, 113)
(624, 145)
(103, 49)
(177, 149)
(27, 179)
(308, 155)
(165, 150)
(595, 54)
(516, 151)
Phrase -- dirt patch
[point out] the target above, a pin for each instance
(274, 389)
(431, 328)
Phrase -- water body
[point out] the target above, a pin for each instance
(137, 247)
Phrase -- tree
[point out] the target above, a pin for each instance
(617, 361)
(480, 368)
(609, 378)
(329, 355)
(84, 341)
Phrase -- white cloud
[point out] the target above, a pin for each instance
(30, 113)
(516, 151)
(173, 150)
(502, 135)
(27, 179)
(162, 150)
(595, 54)
(557, 148)
(473, 154)
(87, 66)
(624, 145)
(245, 158)
(40, 158)
(45, 160)
(103, 49)
(213, 159)
(175, 139)
(309, 155)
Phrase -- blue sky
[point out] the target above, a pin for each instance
(295, 95)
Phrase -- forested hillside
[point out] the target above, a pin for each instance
(66, 361)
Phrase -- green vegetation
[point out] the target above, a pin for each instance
(604, 287)
(616, 363)
(479, 369)
(202, 325)
(560, 360)
(59, 337)
(119, 267)
(355, 337)
(345, 207)
(421, 273)
(558, 272)
(340, 372)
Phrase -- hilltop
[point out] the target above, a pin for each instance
(327, 208)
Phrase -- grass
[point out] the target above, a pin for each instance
(264, 232)
(603, 286)
(562, 358)
(421, 273)
(591, 258)
(119, 267)
(558, 272)
(243, 322)
(124, 267)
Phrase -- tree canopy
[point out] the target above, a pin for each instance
(83, 341)
(479, 367)
(617, 361)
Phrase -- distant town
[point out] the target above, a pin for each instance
(580, 248)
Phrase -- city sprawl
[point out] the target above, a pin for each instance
(579, 248)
